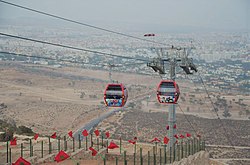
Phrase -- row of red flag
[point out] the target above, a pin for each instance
(112, 145)
(167, 127)
(61, 156)
(97, 133)
(70, 133)
(85, 133)
(166, 139)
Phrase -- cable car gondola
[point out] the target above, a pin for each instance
(168, 92)
(115, 95)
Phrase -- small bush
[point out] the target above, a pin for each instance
(24, 130)
(6, 136)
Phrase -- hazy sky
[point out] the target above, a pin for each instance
(216, 14)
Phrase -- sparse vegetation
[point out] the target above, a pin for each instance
(183, 99)
(226, 113)
(247, 112)
(92, 96)
(240, 113)
(24, 130)
(59, 102)
(131, 104)
(2, 106)
(10, 128)
(82, 95)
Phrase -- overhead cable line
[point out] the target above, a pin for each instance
(41, 57)
(63, 60)
(71, 47)
(204, 103)
(224, 129)
(202, 97)
(222, 124)
(83, 24)
(121, 65)
(189, 122)
(214, 108)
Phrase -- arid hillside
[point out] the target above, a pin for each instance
(48, 99)
(42, 97)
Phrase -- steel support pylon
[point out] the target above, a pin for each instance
(158, 65)
(171, 123)
(171, 109)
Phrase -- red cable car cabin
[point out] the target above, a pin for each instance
(115, 95)
(168, 92)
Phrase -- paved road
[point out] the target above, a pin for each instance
(93, 123)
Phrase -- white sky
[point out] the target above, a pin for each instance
(218, 14)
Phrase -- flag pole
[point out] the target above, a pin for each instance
(7, 149)
(135, 149)
(120, 145)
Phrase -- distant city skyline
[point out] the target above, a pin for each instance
(182, 15)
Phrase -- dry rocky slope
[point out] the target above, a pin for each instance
(48, 99)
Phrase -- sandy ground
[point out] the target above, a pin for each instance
(41, 97)
(48, 99)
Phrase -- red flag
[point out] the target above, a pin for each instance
(36, 136)
(21, 161)
(188, 135)
(131, 141)
(85, 133)
(107, 134)
(167, 127)
(61, 156)
(13, 142)
(166, 140)
(155, 140)
(182, 136)
(97, 133)
(53, 136)
(70, 133)
(94, 152)
(112, 145)
(176, 136)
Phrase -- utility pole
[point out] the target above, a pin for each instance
(173, 58)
